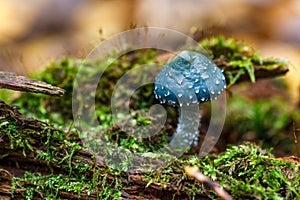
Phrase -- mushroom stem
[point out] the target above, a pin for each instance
(187, 129)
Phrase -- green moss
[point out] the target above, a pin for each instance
(239, 56)
(267, 121)
(53, 186)
(245, 171)
(41, 141)
(15, 139)
(63, 74)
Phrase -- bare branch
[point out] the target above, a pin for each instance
(20, 83)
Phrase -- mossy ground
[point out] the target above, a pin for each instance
(245, 171)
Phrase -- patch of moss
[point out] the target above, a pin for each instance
(63, 75)
(69, 165)
(239, 56)
(245, 171)
(53, 186)
(267, 121)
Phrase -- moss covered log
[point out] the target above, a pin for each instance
(40, 161)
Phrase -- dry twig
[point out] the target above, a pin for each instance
(12, 81)
(195, 173)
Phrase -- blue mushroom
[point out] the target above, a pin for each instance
(188, 79)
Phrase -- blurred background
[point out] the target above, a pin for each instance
(34, 32)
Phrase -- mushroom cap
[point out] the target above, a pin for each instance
(189, 78)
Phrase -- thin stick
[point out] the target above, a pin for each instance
(14, 82)
(195, 173)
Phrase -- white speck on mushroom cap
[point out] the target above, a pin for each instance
(204, 76)
(189, 76)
